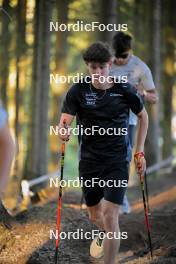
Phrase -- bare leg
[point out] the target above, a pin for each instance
(105, 216)
(111, 224)
(95, 215)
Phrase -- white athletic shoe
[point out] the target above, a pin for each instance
(96, 248)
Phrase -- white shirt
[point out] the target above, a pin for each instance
(137, 72)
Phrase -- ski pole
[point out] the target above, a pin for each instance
(146, 215)
(138, 157)
(147, 193)
(59, 203)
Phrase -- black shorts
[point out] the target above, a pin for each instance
(108, 181)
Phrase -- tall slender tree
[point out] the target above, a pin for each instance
(37, 158)
(5, 16)
(152, 146)
(156, 55)
(168, 73)
(152, 45)
(20, 52)
(60, 47)
(108, 15)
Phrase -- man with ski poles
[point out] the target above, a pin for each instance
(103, 156)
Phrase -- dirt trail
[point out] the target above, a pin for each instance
(29, 241)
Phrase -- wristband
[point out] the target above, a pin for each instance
(139, 155)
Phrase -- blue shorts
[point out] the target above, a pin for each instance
(3, 116)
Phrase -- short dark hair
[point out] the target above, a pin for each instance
(97, 52)
(121, 42)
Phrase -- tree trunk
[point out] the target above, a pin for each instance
(153, 137)
(138, 28)
(108, 15)
(37, 160)
(61, 51)
(20, 49)
(4, 49)
(168, 73)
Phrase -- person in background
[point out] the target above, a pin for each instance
(125, 63)
(7, 154)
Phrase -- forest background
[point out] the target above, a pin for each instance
(30, 52)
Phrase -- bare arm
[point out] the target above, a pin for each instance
(141, 136)
(142, 130)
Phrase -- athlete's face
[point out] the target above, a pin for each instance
(99, 69)
(123, 58)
